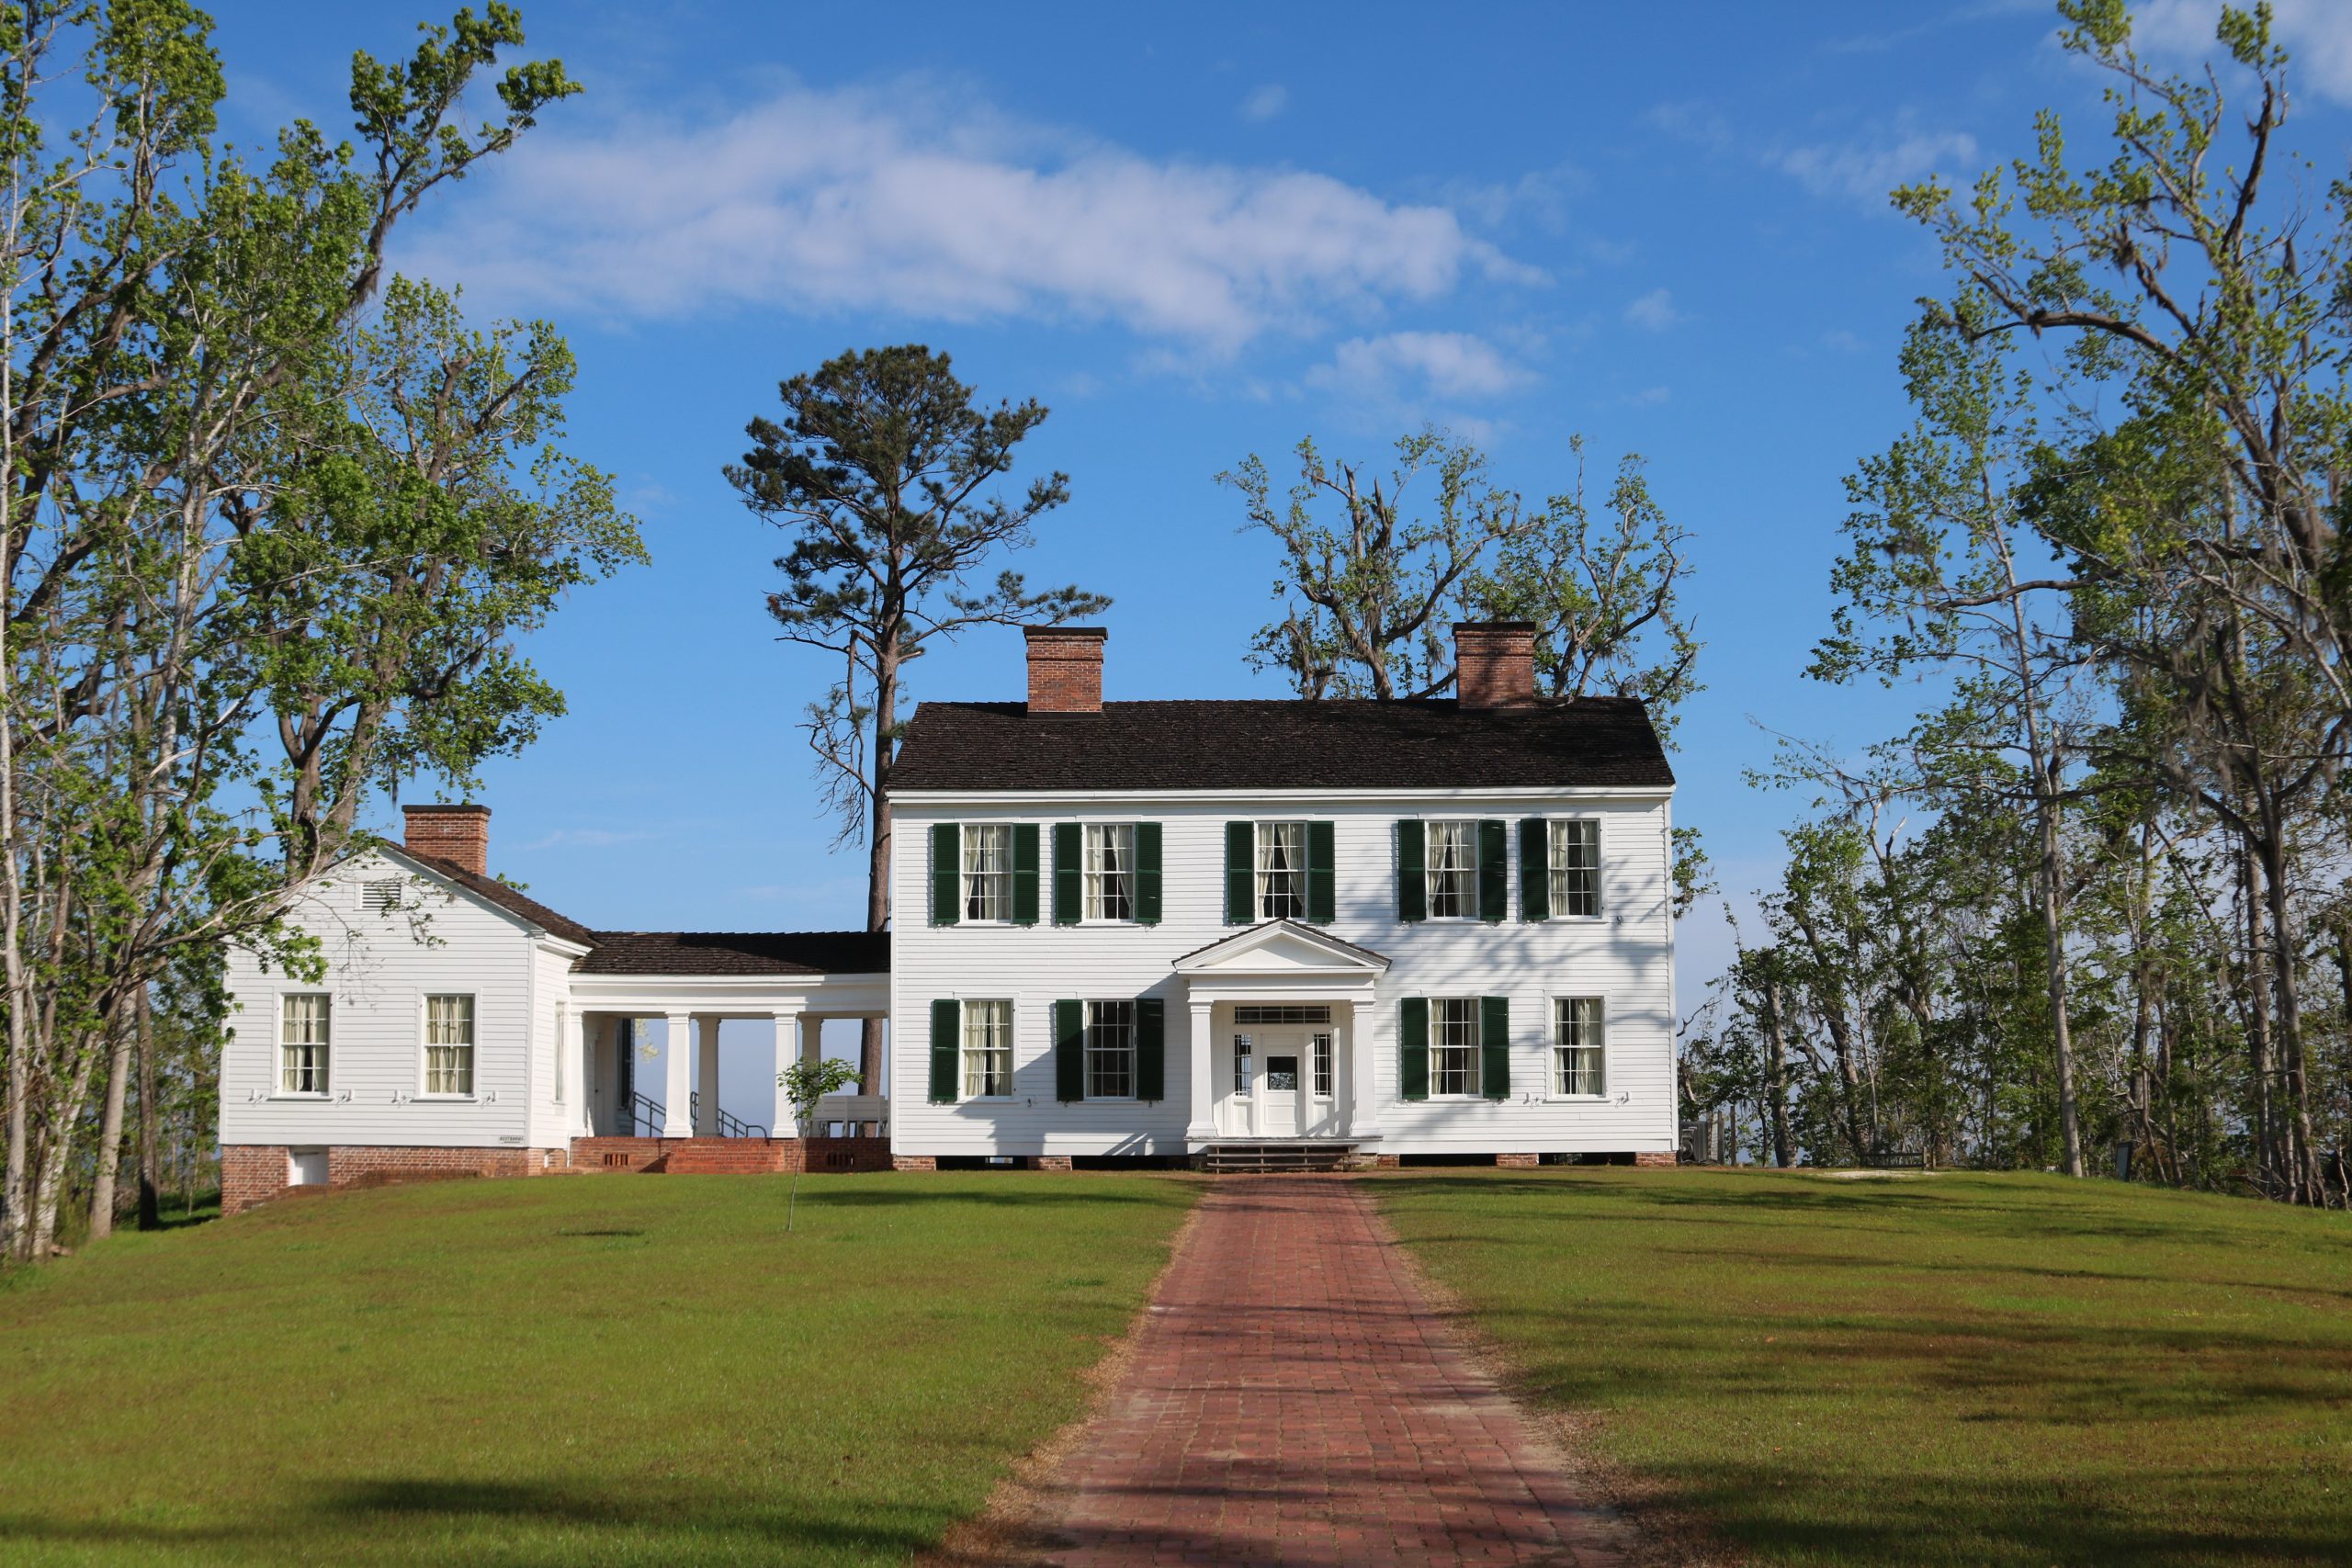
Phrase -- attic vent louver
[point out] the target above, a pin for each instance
(380, 896)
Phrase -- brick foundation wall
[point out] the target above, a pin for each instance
(1387, 1162)
(1518, 1162)
(1051, 1162)
(254, 1173)
(249, 1174)
(731, 1157)
(915, 1162)
(1658, 1157)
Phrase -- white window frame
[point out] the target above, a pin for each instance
(1554, 871)
(1430, 872)
(1244, 1061)
(965, 1050)
(967, 878)
(1090, 873)
(1094, 1051)
(424, 1046)
(1474, 1073)
(323, 1068)
(1262, 872)
(1322, 1063)
(1552, 1046)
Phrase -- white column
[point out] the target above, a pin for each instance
(1203, 1124)
(677, 1057)
(812, 1039)
(580, 1065)
(1363, 1117)
(787, 1043)
(707, 1074)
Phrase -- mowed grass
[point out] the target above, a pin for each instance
(574, 1371)
(1951, 1369)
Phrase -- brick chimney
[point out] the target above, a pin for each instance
(460, 834)
(1494, 663)
(1065, 669)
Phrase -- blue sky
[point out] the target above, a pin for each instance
(1198, 232)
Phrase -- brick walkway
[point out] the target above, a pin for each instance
(1292, 1398)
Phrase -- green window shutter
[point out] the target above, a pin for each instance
(946, 873)
(1494, 1047)
(947, 1049)
(1535, 869)
(1240, 873)
(1148, 873)
(1493, 854)
(1322, 895)
(1151, 1048)
(1413, 879)
(1413, 1042)
(1069, 1051)
(1024, 873)
(1069, 892)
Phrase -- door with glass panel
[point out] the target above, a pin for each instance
(1279, 1086)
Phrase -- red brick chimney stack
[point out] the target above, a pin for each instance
(460, 834)
(1494, 663)
(1065, 669)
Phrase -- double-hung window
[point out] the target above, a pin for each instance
(304, 1024)
(1110, 1050)
(449, 1045)
(988, 1050)
(1110, 870)
(1282, 871)
(1453, 1046)
(1576, 1032)
(1453, 870)
(1575, 868)
(988, 872)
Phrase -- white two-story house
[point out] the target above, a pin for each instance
(1389, 930)
(1250, 933)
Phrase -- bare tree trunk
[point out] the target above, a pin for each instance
(1776, 1068)
(142, 1024)
(2257, 1033)
(119, 1063)
(2302, 1154)
(878, 858)
(2054, 932)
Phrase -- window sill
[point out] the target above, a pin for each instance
(986, 1100)
(319, 1097)
(1601, 1098)
(1106, 1099)
(447, 1098)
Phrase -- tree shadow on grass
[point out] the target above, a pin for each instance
(443, 1519)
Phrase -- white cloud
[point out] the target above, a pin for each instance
(1449, 364)
(2317, 35)
(1868, 170)
(902, 201)
(1654, 310)
(1265, 103)
(1649, 397)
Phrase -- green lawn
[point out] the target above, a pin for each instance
(1951, 1369)
(584, 1369)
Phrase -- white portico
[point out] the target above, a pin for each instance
(1282, 1036)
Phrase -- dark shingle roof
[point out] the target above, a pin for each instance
(739, 953)
(1283, 743)
(507, 898)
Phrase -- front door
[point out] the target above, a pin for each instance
(1278, 1095)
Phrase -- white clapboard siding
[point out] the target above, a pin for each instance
(1625, 957)
(380, 967)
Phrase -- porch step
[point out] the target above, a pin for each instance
(1265, 1157)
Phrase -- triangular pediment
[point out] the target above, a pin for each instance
(1282, 947)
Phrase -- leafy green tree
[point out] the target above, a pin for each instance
(188, 362)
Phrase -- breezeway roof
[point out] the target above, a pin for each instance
(739, 953)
